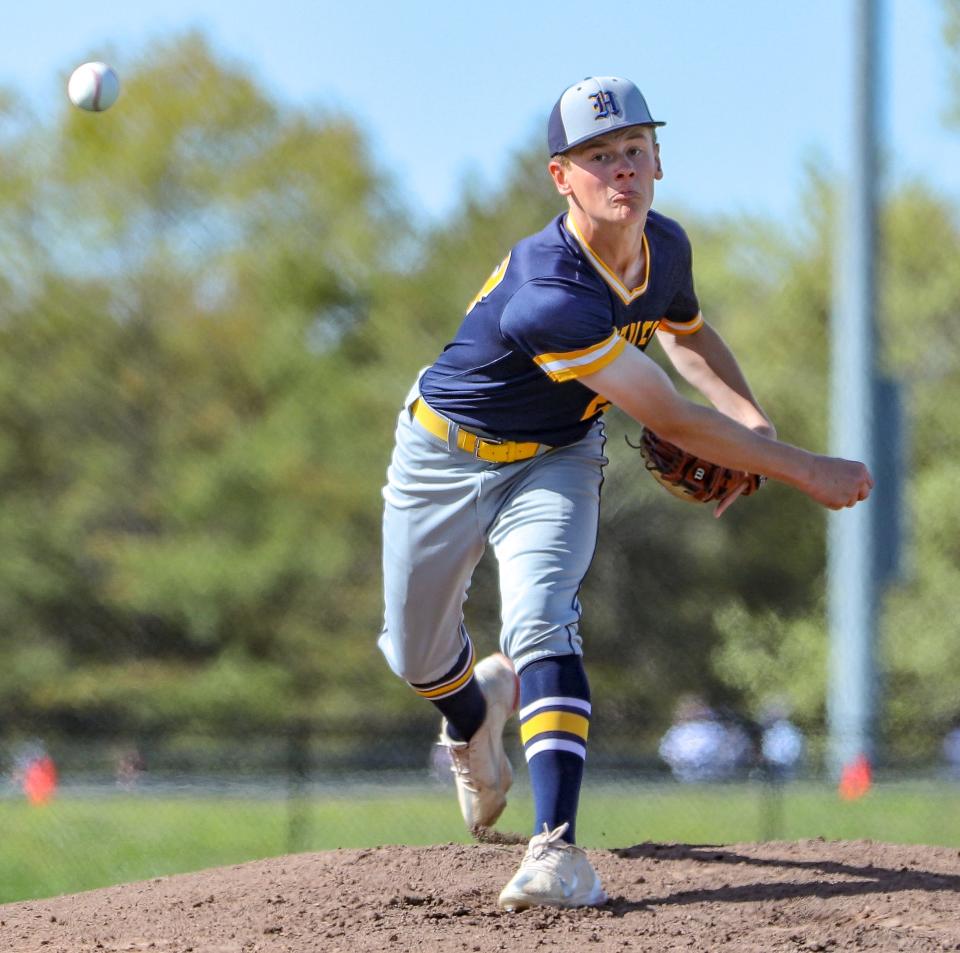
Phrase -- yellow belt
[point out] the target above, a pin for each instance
(493, 451)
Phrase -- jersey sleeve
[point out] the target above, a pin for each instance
(564, 327)
(683, 316)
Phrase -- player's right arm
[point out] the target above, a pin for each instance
(640, 387)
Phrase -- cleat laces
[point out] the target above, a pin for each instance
(460, 766)
(546, 850)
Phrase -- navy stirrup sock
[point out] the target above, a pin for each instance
(458, 697)
(554, 722)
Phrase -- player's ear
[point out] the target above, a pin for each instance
(558, 172)
(656, 152)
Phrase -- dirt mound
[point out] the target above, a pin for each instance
(809, 895)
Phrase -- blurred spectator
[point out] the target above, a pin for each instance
(702, 746)
(130, 766)
(951, 751)
(782, 744)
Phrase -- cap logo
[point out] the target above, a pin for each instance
(604, 104)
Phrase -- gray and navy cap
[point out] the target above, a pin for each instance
(594, 106)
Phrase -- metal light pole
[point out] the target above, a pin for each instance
(852, 559)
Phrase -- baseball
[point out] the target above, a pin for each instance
(94, 87)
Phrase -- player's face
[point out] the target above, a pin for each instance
(611, 177)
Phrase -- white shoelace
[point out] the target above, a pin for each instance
(460, 766)
(547, 849)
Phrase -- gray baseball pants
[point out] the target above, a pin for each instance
(443, 505)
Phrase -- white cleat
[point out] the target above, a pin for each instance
(553, 873)
(480, 766)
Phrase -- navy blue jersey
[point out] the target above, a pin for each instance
(551, 313)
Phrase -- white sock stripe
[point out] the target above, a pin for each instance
(555, 744)
(554, 701)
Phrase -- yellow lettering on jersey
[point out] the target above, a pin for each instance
(638, 333)
(495, 278)
(598, 405)
(648, 328)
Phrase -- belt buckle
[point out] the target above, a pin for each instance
(483, 440)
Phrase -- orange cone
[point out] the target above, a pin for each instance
(855, 779)
(40, 780)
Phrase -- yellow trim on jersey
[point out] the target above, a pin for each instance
(599, 405)
(496, 276)
(625, 294)
(569, 365)
(693, 325)
(555, 721)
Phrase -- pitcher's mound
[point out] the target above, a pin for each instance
(807, 895)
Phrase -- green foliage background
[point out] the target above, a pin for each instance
(211, 306)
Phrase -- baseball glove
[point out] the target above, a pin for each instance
(689, 477)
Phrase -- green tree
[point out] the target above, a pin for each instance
(923, 295)
(188, 462)
(210, 310)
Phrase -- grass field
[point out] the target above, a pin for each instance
(78, 843)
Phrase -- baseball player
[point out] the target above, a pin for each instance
(501, 442)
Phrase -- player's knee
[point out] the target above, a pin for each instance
(399, 661)
(527, 645)
(423, 662)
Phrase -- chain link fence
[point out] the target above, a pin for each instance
(120, 808)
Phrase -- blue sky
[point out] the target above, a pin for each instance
(751, 90)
